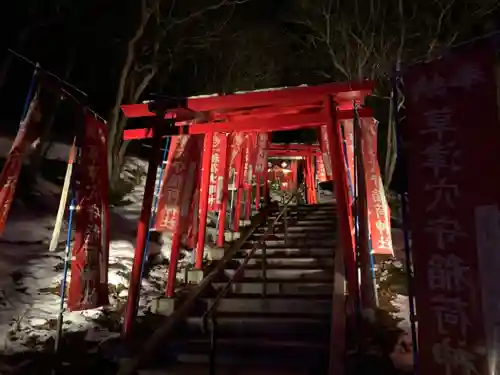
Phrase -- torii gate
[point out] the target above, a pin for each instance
(307, 152)
(259, 111)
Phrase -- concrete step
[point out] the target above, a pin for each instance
(307, 223)
(284, 273)
(299, 242)
(303, 228)
(277, 328)
(288, 258)
(295, 235)
(279, 287)
(201, 368)
(284, 250)
(310, 304)
(258, 353)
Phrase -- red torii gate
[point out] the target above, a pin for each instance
(307, 152)
(258, 111)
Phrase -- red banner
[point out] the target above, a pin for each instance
(378, 209)
(347, 125)
(324, 145)
(237, 143)
(179, 182)
(250, 158)
(216, 171)
(88, 287)
(29, 131)
(320, 170)
(453, 134)
(261, 158)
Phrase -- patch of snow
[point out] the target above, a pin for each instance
(402, 304)
(30, 275)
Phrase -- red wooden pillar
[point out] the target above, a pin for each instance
(142, 232)
(239, 172)
(306, 183)
(175, 251)
(308, 180)
(248, 201)
(339, 172)
(367, 286)
(312, 175)
(265, 187)
(225, 156)
(295, 176)
(204, 185)
(257, 192)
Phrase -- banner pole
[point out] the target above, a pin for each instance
(63, 201)
(67, 250)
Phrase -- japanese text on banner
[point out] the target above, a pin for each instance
(325, 150)
(184, 151)
(88, 287)
(378, 209)
(215, 173)
(439, 117)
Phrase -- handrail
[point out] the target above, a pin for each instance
(261, 243)
(129, 366)
(255, 247)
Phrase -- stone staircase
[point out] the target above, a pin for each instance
(285, 331)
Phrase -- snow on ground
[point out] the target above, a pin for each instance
(30, 275)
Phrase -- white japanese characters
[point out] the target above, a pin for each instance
(447, 274)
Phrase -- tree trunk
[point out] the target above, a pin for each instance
(115, 121)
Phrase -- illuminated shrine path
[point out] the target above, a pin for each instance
(288, 330)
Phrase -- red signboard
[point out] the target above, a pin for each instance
(453, 135)
(320, 170)
(179, 183)
(216, 171)
(29, 131)
(261, 158)
(237, 142)
(250, 157)
(324, 145)
(88, 287)
(347, 125)
(378, 209)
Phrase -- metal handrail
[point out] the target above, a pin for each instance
(249, 256)
(129, 366)
(261, 243)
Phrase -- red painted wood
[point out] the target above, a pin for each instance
(142, 230)
(205, 181)
(226, 154)
(343, 94)
(283, 122)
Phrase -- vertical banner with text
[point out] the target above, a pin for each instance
(29, 131)
(88, 286)
(378, 209)
(453, 134)
(216, 171)
(179, 183)
(261, 158)
(347, 126)
(324, 146)
(320, 170)
(250, 158)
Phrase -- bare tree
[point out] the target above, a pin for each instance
(359, 40)
(151, 52)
